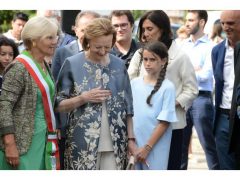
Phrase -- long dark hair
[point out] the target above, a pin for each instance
(4, 41)
(160, 50)
(161, 20)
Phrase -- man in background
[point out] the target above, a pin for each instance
(125, 46)
(18, 22)
(223, 68)
(64, 38)
(81, 21)
(234, 123)
(201, 113)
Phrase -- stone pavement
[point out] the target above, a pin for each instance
(198, 160)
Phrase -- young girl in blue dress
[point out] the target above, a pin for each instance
(154, 109)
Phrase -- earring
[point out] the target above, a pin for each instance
(33, 44)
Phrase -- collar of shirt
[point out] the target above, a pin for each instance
(202, 39)
(9, 35)
(227, 46)
(133, 47)
(79, 45)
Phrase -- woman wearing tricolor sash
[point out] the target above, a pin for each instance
(27, 123)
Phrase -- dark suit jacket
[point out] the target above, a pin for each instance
(65, 39)
(218, 55)
(61, 54)
(234, 120)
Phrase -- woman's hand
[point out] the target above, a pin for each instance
(141, 155)
(96, 95)
(11, 152)
(132, 147)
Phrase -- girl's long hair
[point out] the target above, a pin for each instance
(160, 50)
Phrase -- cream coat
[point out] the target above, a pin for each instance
(181, 72)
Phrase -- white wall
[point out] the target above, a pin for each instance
(212, 17)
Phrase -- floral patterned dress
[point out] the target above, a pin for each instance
(83, 130)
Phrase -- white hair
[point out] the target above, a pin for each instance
(37, 27)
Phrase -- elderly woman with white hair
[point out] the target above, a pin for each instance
(26, 103)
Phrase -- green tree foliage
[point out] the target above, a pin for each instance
(138, 13)
(6, 17)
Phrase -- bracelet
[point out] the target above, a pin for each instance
(132, 139)
(147, 147)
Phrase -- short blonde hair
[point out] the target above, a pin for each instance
(182, 29)
(36, 28)
(96, 28)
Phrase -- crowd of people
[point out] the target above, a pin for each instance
(92, 101)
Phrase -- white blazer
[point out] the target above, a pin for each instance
(180, 72)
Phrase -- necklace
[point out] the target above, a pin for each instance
(43, 68)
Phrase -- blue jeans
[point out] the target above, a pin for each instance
(226, 160)
(201, 115)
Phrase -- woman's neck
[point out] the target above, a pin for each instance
(104, 61)
(38, 57)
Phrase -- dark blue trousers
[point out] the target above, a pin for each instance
(201, 115)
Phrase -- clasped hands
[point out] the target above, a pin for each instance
(140, 153)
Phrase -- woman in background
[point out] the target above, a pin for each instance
(182, 34)
(217, 32)
(8, 52)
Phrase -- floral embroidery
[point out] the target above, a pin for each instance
(105, 79)
(84, 123)
(98, 74)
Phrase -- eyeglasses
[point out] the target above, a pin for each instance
(122, 26)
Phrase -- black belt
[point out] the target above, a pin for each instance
(205, 93)
(224, 111)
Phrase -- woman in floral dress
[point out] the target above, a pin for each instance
(93, 86)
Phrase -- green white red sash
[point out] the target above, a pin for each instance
(52, 151)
